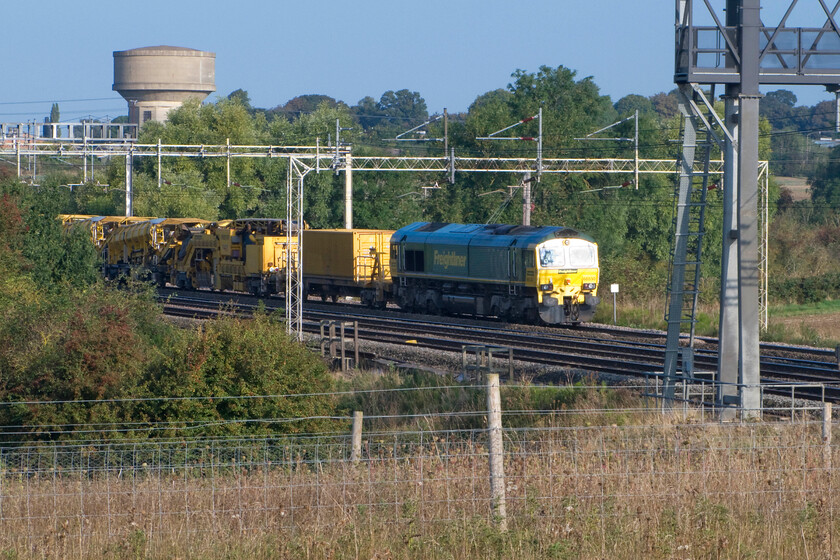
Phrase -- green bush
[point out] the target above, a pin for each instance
(81, 359)
(810, 289)
(232, 357)
(75, 345)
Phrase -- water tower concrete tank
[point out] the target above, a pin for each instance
(155, 80)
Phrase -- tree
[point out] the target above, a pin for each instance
(571, 108)
(628, 104)
(665, 104)
(406, 107)
(300, 105)
(778, 107)
(213, 123)
(823, 116)
(825, 185)
(395, 112)
(367, 112)
(55, 115)
(241, 96)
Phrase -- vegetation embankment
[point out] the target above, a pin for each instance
(85, 359)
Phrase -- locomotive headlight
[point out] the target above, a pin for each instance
(547, 287)
(589, 285)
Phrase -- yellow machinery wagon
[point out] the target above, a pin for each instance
(247, 255)
(98, 226)
(146, 246)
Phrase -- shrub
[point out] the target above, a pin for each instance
(248, 358)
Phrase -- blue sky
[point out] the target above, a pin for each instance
(449, 51)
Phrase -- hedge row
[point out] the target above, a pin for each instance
(812, 289)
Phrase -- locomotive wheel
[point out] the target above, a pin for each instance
(532, 316)
(432, 307)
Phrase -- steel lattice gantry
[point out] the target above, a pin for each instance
(742, 53)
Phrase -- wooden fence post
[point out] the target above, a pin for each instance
(495, 448)
(826, 434)
(356, 452)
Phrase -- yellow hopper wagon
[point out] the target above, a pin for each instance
(98, 226)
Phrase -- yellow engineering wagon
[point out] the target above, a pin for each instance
(348, 262)
(146, 246)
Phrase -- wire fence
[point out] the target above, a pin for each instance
(567, 480)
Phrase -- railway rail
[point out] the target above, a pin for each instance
(594, 348)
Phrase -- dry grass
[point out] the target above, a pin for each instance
(797, 186)
(802, 324)
(664, 491)
(819, 329)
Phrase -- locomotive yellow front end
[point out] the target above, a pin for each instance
(567, 280)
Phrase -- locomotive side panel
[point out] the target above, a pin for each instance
(492, 259)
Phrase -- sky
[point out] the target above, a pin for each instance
(450, 51)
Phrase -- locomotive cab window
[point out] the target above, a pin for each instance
(567, 253)
(582, 256)
(414, 261)
(552, 256)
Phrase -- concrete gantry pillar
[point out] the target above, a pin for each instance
(729, 345)
(748, 239)
(129, 182)
(348, 191)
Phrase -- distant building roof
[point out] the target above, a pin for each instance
(163, 49)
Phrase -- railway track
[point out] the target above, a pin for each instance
(595, 348)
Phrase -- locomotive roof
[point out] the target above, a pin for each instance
(528, 234)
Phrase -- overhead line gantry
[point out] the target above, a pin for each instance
(742, 53)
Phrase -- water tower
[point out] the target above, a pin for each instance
(155, 80)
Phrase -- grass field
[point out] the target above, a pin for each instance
(662, 489)
(808, 324)
(812, 324)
